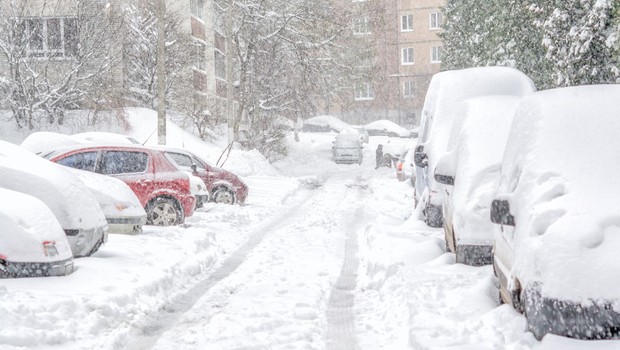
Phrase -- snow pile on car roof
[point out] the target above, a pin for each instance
(324, 123)
(387, 127)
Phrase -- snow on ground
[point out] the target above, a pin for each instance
(322, 256)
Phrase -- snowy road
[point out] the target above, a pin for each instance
(323, 256)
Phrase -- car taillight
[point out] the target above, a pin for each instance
(400, 167)
(49, 248)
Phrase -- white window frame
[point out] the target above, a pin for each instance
(434, 20)
(361, 26)
(436, 54)
(45, 52)
(406, 23)
(364, 92)
(407, 56)
(408, 89)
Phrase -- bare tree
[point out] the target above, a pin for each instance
(51, 63)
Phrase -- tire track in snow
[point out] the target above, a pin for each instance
(340, 309)
(183, 303)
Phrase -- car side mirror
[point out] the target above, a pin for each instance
(444, 179)
(500, 213)
(194, 168)
(419, 157)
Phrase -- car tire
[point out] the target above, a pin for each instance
(223, 195)
(433, 215)
(163, 211)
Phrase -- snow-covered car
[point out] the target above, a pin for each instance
(42, 142)
(163, 190)
(557, 228)
(445, 93)
(404, 165)
(347, 149)
(32, 242)
(469, 173)
(324, 123)
(223, 186)
(121, 207)
(75, 208)
(386, 128)
(363, 134)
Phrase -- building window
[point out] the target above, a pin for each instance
(220, 64)
(361, 26)
(408, 89)
(407, 55)
(219, 16)
(51, 37)
(436, 54)
(406, 23)
(200, 61)
(435, 20)
(364, 92)
(197, 8)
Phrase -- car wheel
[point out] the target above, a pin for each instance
(434, 216)
(163, 211)
(223, 195)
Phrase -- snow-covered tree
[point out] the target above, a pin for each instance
(579, 38)
(140, 54)
(284, 53)
(51, 63)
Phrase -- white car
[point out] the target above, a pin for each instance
(469, 173)
(69, 199)
(557, 227)
(32, 242)
(347, 149)
(444, 96)
(121, 207)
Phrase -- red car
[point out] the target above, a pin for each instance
(163, 189)
(224, 186)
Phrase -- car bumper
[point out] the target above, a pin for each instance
(594, 320)
(126, 225)
(86, 242)
(201, 200)
(36, 269)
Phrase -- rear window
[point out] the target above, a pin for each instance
(123, 162)
(83, 161)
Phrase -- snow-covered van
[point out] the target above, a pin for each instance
(557, 225)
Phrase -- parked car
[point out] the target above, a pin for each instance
(223, 186)
(557, 227)
(363, 134)
(469, 173)
(347, 149)
(404, 166)
(163, 190)
(75, 208)
(198, 189)
(446, 92)
(32, 242)
(121, 207)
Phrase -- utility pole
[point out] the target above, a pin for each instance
(161, 73)
(230, 103)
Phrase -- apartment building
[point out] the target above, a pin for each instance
(405, 34)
